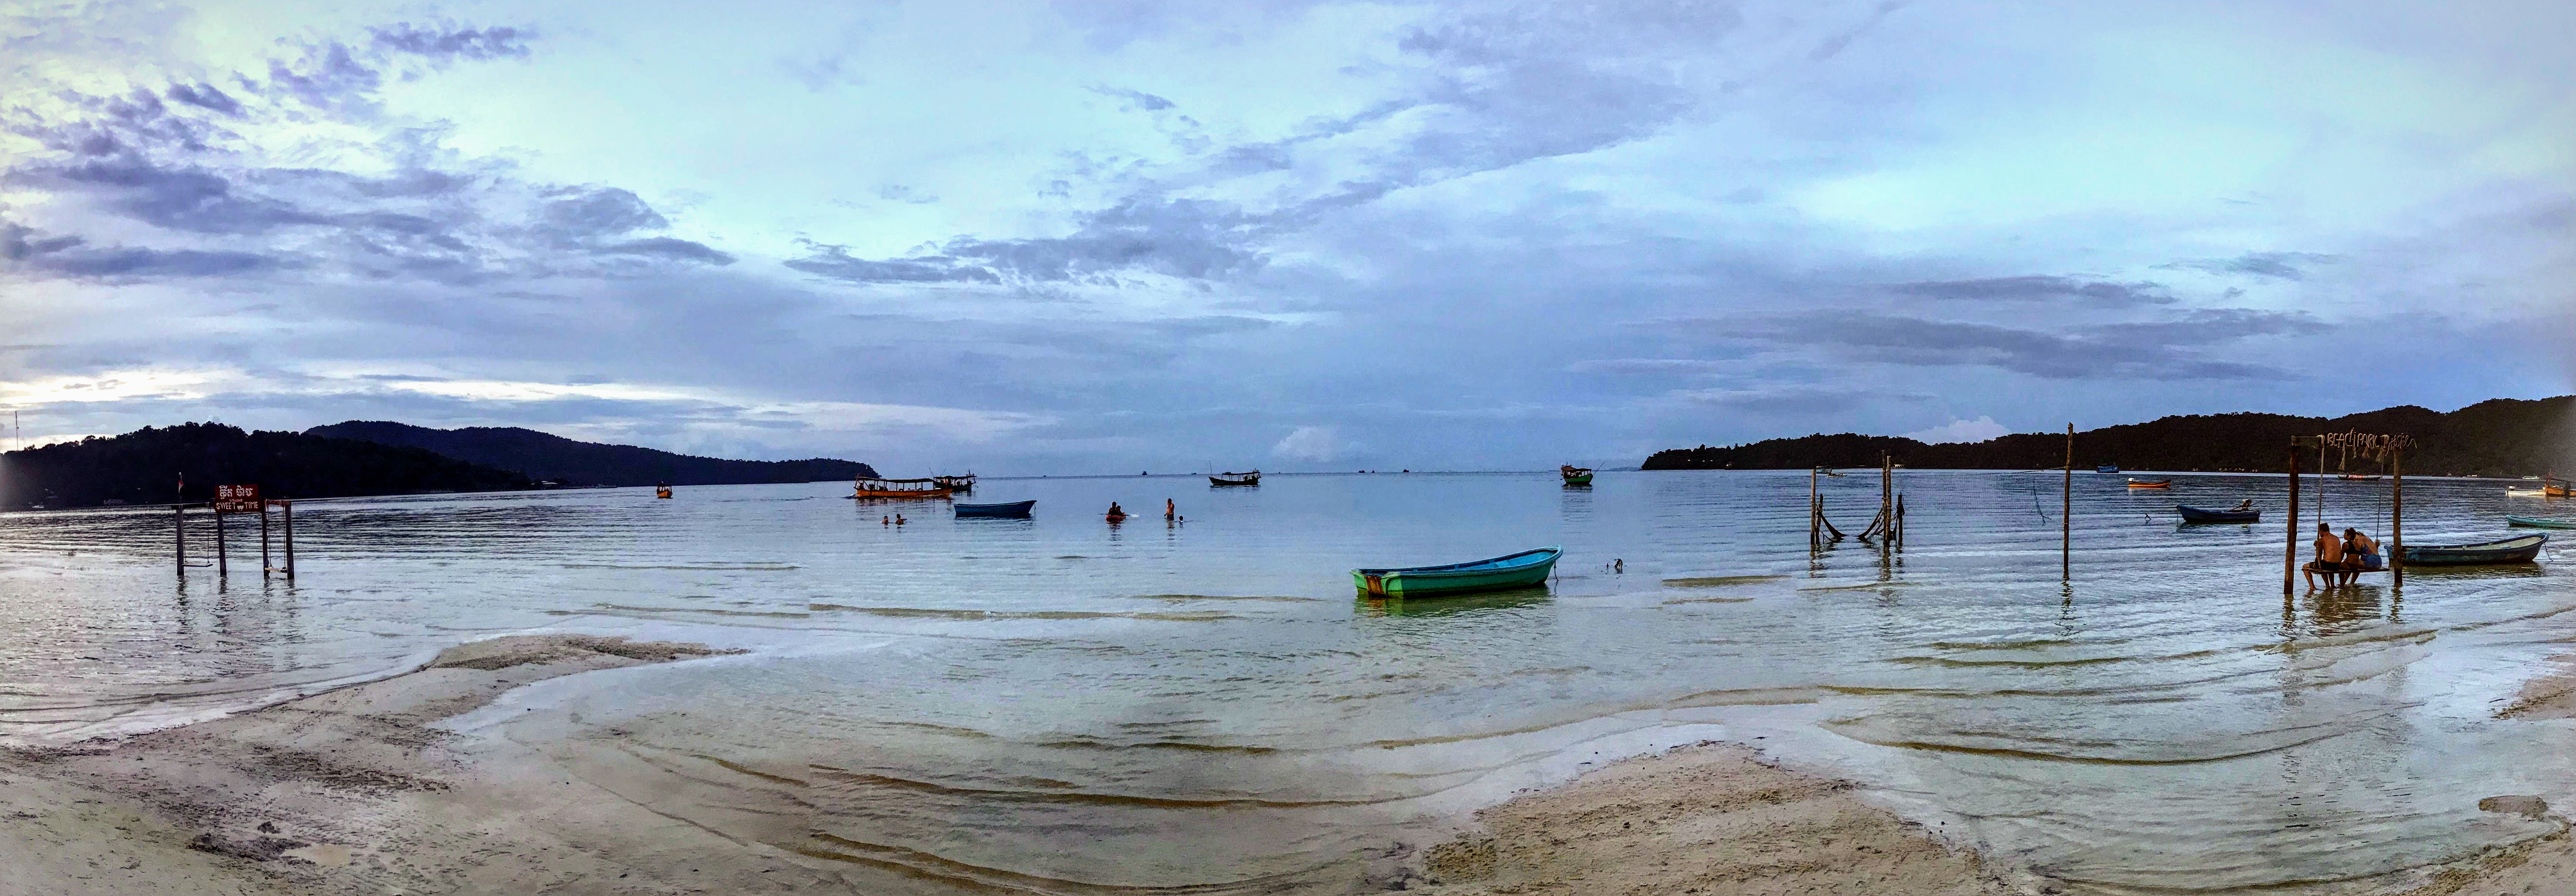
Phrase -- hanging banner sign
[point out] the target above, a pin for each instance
(237, 499)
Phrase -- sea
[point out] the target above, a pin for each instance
(1205, 703)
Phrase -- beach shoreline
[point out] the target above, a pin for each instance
(363, 789)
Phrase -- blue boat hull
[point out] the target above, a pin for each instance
(2524, 549)
(1012, 509)
(2536, 522)
(1520, 570)
(2192, 514)
(2106, 468)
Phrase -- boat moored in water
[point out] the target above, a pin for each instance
(2150, 483)
(2192, 514)
(1223, 480)
(1519, 570)
(1575, 475)
(867, 488)
(2519, 549)
(2107, 468)
(2536, 522)
(1013, 509)
(958, 484)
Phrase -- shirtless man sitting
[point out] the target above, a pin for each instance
(2329, 557)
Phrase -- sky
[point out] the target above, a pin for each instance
(1090, 237)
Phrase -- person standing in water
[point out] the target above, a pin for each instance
(1168, 509)
(1116, 512)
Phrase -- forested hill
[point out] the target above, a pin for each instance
(2503, 437)
(568, 462)
(145, 466)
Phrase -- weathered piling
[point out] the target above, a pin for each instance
(179, 518)
(2397, 518)
(2066, 515)
(2290, 545)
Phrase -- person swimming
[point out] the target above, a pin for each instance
(898, 519)
(885, 521)
(1116, 512)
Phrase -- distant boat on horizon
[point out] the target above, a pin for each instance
(2107, 468)
(1575, 475)
(1228, 479)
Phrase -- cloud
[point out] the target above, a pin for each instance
(2035, 288)
(1647, 366)
(1794, 399)
(2274, 265)
(1132, 99)
(1316, 444)
(453, 42)
(68, 256)
(2151, 350)
(1977, 430)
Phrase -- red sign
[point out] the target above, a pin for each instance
(237, 499)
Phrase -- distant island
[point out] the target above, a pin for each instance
(552, 458)
(146, 466)
(2501, 437)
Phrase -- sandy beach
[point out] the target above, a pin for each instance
(355, 791)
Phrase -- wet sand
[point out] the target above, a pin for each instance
(1712, 819)
(354, 791)
(351, 791)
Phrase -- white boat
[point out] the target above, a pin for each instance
(2526, 492)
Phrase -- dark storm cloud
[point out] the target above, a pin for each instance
(580, 216)
(2037, 288)
(2156, 350)
(2276, 265)
(205, 96)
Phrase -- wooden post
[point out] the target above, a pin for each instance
(1900, 519)
(223, 563)
(179, 513)
(264, 566)
(2066, 515)
(289, 508)
(2290, 549)
(1815, 526)
(2397, 519)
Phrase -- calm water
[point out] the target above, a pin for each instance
(1056, 703)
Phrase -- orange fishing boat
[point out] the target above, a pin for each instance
(2150, 483)
(879, 487)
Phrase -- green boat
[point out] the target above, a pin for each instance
(1519, 570)
(2535, 522)
(1575, 475)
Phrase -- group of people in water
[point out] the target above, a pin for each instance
(2346, 557)
(1171, 512)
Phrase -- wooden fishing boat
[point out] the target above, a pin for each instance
(1519, 570)
(2537, 522)
(1829, 471)
(1016, 509)
(2192, 514)
(2526, 493)
(2107, 468)
(958, 484)
(1575, 475)
(868, 488)
(2356, 477)
(2520, 549)
(2150, 483)
(2557, 491)
(1223, 480)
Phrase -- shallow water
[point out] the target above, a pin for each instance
(1060, 704)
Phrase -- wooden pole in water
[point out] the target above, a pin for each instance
(289, 508)
(2066, 515)
(223, 562)
(2290, 547)
(1815, 528)
(264, 567)
(2397, 518)
(179, 513)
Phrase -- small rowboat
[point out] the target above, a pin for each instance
(2107, 468)
(1575, 475)
(1018, 509)
(2192, 514)
(2356, 477)
(1508, 571)
(1114, 517)
(2521, 549)
(1232, 479)
(2535, 522)
(2150, 483)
